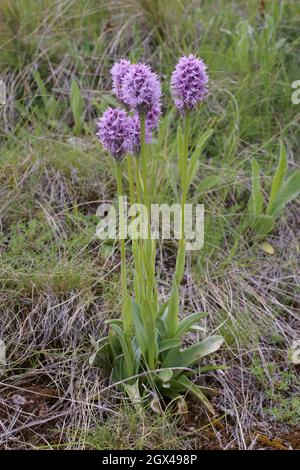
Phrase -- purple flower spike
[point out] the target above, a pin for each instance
(115, 132)
(118, 72)
(189, 82)
(141, 89)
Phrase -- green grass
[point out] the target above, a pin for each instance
(142, 432)
(58, 283)
(281, 389)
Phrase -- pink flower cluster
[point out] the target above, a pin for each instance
(115, 132)
(139, 90)
(189, 82)
(136, 86)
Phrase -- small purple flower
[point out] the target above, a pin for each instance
(118, 72)
(153, 117)
(141, 89)
(189, 82)
(115, 132)
(136, 133)
(151, 124)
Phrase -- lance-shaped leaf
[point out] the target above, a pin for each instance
(77, 106)
(189, 356)
(196, 390)
(171, 318)
(187, 322)
(279, 175)
(139, 329)
(256, 200)
(288, 191)
(129, 359)
(166, 344)
(264, 224)
(149, 323)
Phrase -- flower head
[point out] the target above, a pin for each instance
(118, 72)
(115, 132)
(141, 89)
(189, 82)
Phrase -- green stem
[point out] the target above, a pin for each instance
(180, 262)
(173, 307)
(184, 182)
(138, 181)
(135, 243)
(131, 179)
(121, 231)
(148, 254)
(144, 160)
(139, 291)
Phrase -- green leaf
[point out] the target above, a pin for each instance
(171, 319)
(129, 360)
(127, 315)
(133, 392)
(180, 262)
(279, 175)
(165, 375)
(77, 106)
(186, 324)
(166, 344)
(114, 343)
(189, 356)
(162, 309)
(139, 330)
(288, 191)
(161, 326)
(208, 183)
(192, 168)
(256, 200)
(195, 390)
(149, 323)
(264, 224)
(42, 89)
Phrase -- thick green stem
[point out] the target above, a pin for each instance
(131, 179)
(184, 182)
(180, 262)
(138, 181)
(144, 160)
(139, 287)
(121, 231)
(148, 246)
(135, 243)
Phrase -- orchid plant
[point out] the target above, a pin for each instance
(146, 342)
